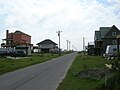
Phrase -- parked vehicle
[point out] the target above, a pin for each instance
(6, 51)
(54, 51)
(19, 54)
(15, 52)
(111, 52)
(25, 49)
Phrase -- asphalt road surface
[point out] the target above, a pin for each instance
(44, 76)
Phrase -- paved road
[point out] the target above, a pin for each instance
(45, 76)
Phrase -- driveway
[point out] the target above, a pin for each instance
(44, 76)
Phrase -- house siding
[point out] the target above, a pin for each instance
(47, 46)
(107, 42)
(21, 39)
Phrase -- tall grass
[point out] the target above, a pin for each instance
(82, 62)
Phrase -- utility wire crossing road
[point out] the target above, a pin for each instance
(44, 76)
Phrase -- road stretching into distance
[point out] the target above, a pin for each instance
(44, 76)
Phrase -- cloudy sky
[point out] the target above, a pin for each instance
(42, 18)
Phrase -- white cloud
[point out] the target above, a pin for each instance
(76, 18)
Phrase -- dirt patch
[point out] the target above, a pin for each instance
(94, 73)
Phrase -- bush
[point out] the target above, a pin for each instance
(113, 83)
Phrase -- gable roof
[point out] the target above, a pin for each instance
(112, 28)
(19, 32)
(97, 35)
(104, 30)
(46, 41)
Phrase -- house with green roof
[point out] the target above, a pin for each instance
(104, 37)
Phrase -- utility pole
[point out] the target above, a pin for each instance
(67, 44)
(72, 48)
(83, 43)
(59, 41)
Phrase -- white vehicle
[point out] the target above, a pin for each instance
(111, 51)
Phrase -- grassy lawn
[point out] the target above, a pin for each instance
(7, 64)
(82, 62)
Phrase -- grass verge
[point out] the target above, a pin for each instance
(7, 64)
(82, 62)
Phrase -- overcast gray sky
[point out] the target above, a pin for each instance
(42, 18)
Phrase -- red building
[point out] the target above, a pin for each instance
(17, 38)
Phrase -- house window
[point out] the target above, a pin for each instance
(114, 42)
(114, 34)
(114, 49)
(40, 45)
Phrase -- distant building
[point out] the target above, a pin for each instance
(17, 38)
(35, 49)
(105, 36)
(90, 48)
(46, 46)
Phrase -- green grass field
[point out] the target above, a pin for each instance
(82, 62)
(7, 64)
